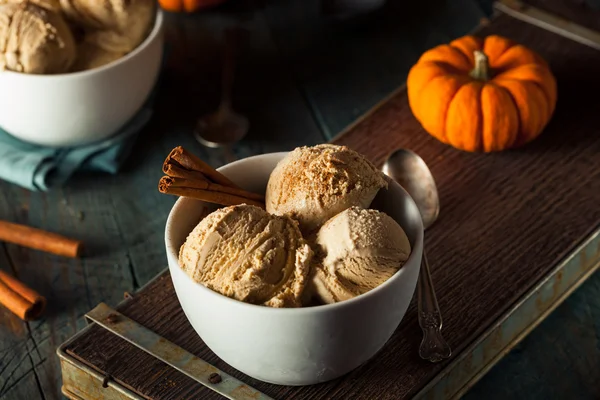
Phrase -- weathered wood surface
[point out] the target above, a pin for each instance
(121, 218)
(507, 220)
(297, 88)
(345, 68)
(583, 12)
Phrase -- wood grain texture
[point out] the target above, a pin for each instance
(121, 218)
(71, 286)
(25, 388)
(506, 220)
(16, 369)
(558, 360)
(582, 12)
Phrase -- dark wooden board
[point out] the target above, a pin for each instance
(506, 220)
(583, 12)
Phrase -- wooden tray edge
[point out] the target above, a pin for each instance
(73, 370)
(524, 316)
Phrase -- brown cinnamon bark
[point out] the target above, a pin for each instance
(23, 301)
(39, 239)
(220, 198)
(181, 157)
(179, 172)
(213, 187)
(167, 186)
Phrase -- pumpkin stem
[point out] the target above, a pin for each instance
(481, 71)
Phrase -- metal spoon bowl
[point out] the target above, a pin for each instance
(411, 172)
(224, 127)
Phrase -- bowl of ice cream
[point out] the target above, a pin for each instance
(71, 76)
(247, 278)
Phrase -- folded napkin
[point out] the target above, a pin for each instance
(40, 168)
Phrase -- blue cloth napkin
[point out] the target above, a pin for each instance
(40, 168)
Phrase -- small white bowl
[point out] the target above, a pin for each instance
(294, 346)
(82, 107)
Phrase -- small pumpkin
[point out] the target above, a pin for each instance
(188, 6)
(484, 95)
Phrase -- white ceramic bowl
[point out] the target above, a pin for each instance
(294, 346)
(81, 107)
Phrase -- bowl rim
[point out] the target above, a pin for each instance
(150, 38)
(173, 254)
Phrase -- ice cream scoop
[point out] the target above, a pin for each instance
(50, 4)
(361, 249)
(117, 26)
(312, 184)
(247, 254)
(90, 56)
(34, 39)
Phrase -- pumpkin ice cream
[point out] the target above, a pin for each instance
(312, 184)
(60, 36)
(247, 254)
(34, 39)
(90, 56)
(115, 26)
(361, 249)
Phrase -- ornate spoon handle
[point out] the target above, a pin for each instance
(433, 346)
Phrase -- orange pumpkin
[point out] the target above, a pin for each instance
(187, 5)
(482, 94)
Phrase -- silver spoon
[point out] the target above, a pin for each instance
(224, 127)
(411, 172)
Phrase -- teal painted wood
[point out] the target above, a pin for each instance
(25, 389)
(17, 376)
(560, 359)
(346, 66)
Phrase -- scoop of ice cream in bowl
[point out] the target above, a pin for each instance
(286, 305)
(75, 71)
(313, 184)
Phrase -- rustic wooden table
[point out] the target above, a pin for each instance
(301, 79)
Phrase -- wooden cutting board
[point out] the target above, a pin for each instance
(518, 232)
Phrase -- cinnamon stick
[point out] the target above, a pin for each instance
(182, 157)
(21, 300)
(224, 199)
(205, 185)
(39, 239)
(179, 172)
